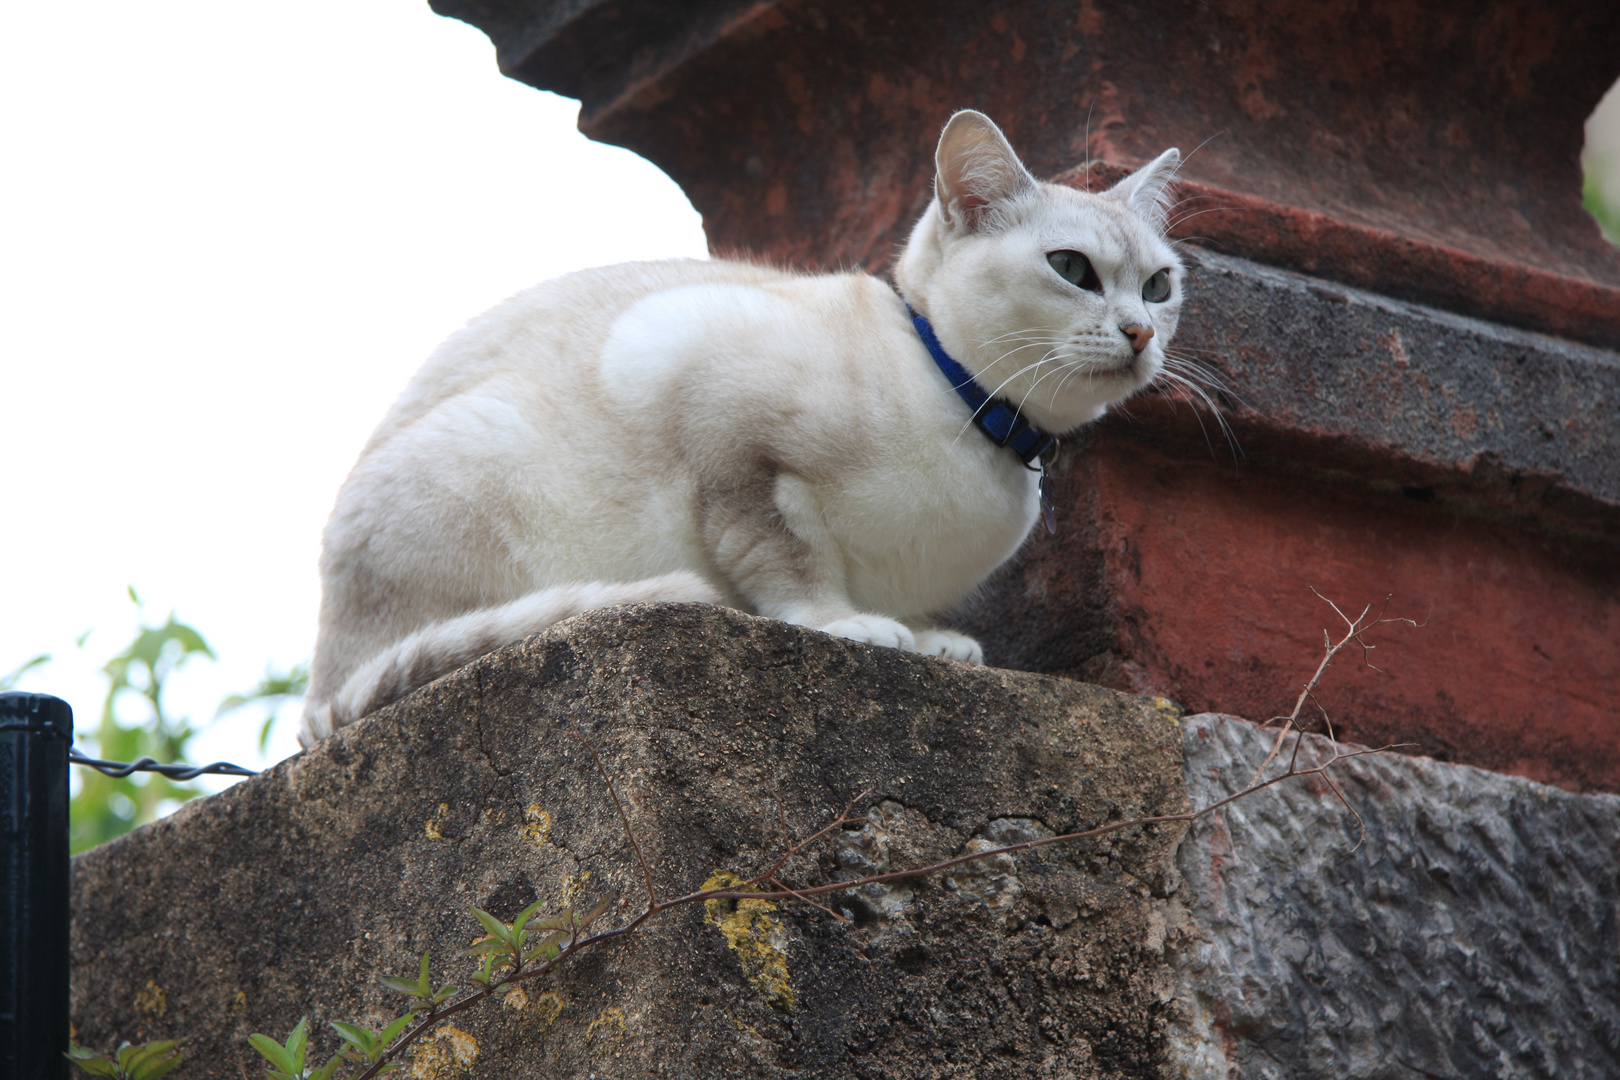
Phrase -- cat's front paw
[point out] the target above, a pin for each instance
(874, 630)
(950, 645)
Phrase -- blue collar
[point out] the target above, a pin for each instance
(999, 421)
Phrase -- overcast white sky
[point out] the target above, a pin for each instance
(230, 233)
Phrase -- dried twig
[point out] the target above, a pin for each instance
(1354, 629)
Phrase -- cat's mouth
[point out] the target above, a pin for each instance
(1125, 369)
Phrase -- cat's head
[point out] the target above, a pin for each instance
(1059, 301)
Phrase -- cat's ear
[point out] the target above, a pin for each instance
(976, 169)
(1147, 190)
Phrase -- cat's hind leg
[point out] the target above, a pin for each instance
(439, 648)
(788, 565)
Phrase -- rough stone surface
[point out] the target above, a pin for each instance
(288, 893)
(1390, 381)
(1472, 933)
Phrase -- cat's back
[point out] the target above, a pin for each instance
(554, 326)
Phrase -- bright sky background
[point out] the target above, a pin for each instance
(230, 234)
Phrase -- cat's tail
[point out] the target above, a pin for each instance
(435, 650)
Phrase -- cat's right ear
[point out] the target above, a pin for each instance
(976, 168)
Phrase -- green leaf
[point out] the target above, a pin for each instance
(443, 993)
(423, 983)
(90, 1062)
(486, 971)
(400, 986)
(523, 918)
(150, 1060)
(124, 1052)
(547, 946)
(497, 929)
(362, 1039)
(11, 678)
(391, 1032)
(272, 1051)
(298, 1043)
(325, 1071)
(152, 1068)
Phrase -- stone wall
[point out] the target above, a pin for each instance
(1470, 933)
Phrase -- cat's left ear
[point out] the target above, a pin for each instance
(976, 169)
(1147, 190)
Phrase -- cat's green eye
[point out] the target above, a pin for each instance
(1157, 288)
(1075, 268)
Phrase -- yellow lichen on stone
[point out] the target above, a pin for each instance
(759, 941)
(440, 816)
(546, 1008)
(572, 888)
(609, 1026)
(239, 1003)
(1166, 706)
(536, 824)
(151, 1002)
(444, 1055)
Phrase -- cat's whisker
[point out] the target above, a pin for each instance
(1018, 335)
(995, 392)
(1178, 380)
(1202, 374)
(1199, 373)
(1189, 199)
(1198, 378)
(1056, 371)
(1183, 219)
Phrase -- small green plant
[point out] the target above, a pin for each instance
(522, 949)
(148, 1061)
(104, 807)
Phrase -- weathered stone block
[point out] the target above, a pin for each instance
(1471, 931)
(289, 893)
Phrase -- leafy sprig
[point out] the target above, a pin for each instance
(524, 948)
(148, 1061)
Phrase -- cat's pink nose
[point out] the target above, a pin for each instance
(1139, 335)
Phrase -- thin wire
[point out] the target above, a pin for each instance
(146, 764)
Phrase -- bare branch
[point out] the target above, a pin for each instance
(797, 895)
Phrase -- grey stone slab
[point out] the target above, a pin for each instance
(1474, 932)
(1403, 380)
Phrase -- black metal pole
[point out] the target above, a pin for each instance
(35, 733)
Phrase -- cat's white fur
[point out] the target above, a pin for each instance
(733, 433)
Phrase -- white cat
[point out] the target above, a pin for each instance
(732, 433)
